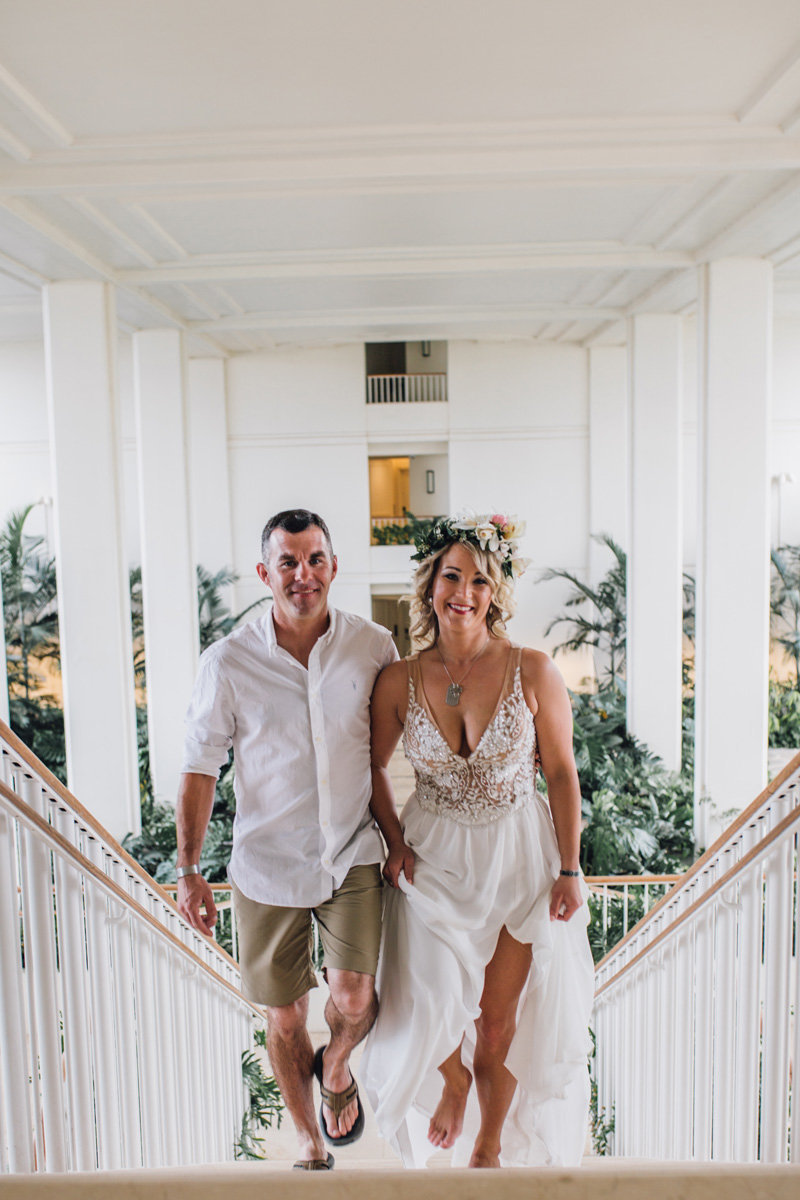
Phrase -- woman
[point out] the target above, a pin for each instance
(485, 978)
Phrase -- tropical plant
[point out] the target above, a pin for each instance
(785, 603)
(29, 606)
(216, 619)
(264, 1105)
(784, 714)
(603, 627)
(402, 533)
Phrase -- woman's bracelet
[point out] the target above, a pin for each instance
(571, 874)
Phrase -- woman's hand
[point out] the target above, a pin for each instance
(401, 858)
(565, 898)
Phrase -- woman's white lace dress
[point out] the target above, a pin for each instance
(486, 856)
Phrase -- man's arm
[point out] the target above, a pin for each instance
(193, 812)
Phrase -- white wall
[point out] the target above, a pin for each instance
(297, 436)
(516, 426)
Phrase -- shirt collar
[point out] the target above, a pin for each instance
(268, 627)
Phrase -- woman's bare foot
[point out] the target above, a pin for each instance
(448, 1119)
(483, 1158)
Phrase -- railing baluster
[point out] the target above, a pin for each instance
(40, 966)
(76, 1005)
(777, 954)
(18, 1116)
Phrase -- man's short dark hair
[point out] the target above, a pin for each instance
(293, 520)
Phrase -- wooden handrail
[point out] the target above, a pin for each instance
(745, 816)
(654, 879)
(60, 845)
(720, 884)
(93, 826)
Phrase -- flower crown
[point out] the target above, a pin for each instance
(495, 533)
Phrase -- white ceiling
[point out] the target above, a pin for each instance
(326, 170)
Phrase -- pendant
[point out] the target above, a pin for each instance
(453, 696)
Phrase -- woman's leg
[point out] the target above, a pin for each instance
(503, 983)
(448, 1119)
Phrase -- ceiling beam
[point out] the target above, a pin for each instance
(417, 316)
(413, 261)
(32, 109)
(612, 149)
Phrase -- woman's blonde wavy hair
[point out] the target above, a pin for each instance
(424, 622)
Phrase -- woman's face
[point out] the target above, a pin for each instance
(461, 593)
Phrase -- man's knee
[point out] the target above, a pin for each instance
(286, 1021)
(352, 992)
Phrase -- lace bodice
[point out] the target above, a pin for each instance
(499, 775)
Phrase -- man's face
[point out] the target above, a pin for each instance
(300, 571)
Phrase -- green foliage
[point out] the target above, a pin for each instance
(784, 715)
(265, 1105)
(604, 627)
(29, 606)
(638, 816)
(785, 605)
(216, 619)
(403, 534)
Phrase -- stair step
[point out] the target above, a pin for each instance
(610, 1179)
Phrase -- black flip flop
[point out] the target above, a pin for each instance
(336, 1102)
(314, 1164)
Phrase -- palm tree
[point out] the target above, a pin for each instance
(29, 605)
(216, 619)
(605, 628)
(785, 603)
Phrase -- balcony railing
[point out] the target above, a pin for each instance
(698, 1036)
(407, 389)
(115, 1015)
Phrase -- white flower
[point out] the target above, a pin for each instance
(488, 537)
(518, 565)
(513, 528)
(466, 519)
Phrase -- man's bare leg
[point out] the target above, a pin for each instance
(350, 1013)
(291, 1056)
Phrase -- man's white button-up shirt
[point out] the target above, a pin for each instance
(300, 742)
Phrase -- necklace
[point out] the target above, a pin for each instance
(454, 689)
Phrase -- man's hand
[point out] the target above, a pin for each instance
(565, 898)
(195, 894)
(401, 858)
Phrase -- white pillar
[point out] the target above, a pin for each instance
(655, 549)
(93, 596)
(732, 657)
(208, 463)
(169, 594)
(608, 453)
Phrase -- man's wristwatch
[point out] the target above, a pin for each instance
(192, 869)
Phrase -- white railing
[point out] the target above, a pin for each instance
(617, 902)
(698, 1041)
(121, 1029)
(407, 389)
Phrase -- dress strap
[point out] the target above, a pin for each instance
(412, 665)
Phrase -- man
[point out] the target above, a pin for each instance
(290, 693)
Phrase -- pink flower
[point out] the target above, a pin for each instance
(498, 519)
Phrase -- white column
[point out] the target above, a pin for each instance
(732, 657)
(608, 452)
(655, 550)
(169, 593)
(208, 463)
(93, 596)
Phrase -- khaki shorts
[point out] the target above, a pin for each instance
(276, 943)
